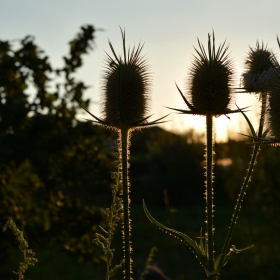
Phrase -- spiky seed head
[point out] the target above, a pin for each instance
(274, 105)
(126, 87)
(125, 98)
(260, 65)
(210, 80)
(259, 59)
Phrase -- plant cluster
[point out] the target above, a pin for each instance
(126, 96)
(210, 93)
(50, 161)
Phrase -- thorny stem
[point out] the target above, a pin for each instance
(209, 190)
(240, 199)
(126, 200)
(248, 176)
(263, 113)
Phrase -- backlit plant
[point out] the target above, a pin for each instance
(210, 92)
(126, 97)
(272, 113)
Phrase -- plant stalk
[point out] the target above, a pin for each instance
(209, 189)
(263, 113)
(107, 269)
(248, 176)
(126, 201)
(110, 231)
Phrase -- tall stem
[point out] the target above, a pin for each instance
(126, 201)
(263, 113)
(240, 199)
(248, 176)
(209, 189)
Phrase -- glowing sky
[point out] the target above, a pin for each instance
(169, 30)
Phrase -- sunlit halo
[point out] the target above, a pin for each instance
(225, 127)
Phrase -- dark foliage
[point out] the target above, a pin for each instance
(52, 166)
(55, 173)
(166, 169)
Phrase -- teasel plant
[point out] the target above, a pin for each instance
(260, 68)
(210, 93)
(274, 109)
(126, 97)
(261, 72)
(272, 112)
(261, 64)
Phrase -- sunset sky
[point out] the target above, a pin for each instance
(169, 30)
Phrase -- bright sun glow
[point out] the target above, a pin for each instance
(224, 127)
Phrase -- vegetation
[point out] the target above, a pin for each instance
(56, 171)
(49, 161)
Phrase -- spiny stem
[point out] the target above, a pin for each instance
(263, 113)
(209, 190)
(248, 176)
(126, 233)
(240, 199)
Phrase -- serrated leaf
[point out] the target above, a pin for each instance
(192, 244)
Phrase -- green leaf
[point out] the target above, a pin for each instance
(221, 261)
(183, 237)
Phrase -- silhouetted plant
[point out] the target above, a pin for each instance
(49, 159)
(126, 96)
(210, 88)
(45, 173)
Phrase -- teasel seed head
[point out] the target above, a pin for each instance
(209, 89)
(126, 88)
(274, 105)
(260, 66)
(210, 82)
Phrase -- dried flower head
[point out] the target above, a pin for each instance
(126, 87)
(210, 79)
(274, 105)
(209, 88)
(125, 90)
(260, 67)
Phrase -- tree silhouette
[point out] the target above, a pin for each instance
(52, 166)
